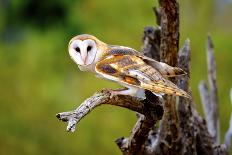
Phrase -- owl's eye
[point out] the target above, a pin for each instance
(89, 48)
(77, 49)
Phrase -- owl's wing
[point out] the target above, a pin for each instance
(164, 69)
(132, 70)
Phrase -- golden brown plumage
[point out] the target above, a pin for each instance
(125, 66)
(132, 70)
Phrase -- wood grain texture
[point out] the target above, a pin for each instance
(169, 130)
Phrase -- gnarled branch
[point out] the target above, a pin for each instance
(104, 97)
(151, 111)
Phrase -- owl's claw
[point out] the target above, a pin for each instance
(114, 93)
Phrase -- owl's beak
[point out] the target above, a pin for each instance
(84, 58)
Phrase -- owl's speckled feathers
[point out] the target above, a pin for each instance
(125, 66)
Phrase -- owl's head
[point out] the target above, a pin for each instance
(85, 49)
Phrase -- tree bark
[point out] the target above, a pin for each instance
(169, 130)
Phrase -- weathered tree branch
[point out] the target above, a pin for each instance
(210, 104)
(153, 111)
(188, 129)
(209, 98)
(205, 99)
(104, 97)
(195, 138)
(169, 130)
(214, 127)
(169, 10)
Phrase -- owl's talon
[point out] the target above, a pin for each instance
(112, 93)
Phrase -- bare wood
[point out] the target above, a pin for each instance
(132, 145)
(169, 130)
(153, 111)
(214, 127)
(138, 137)
(104, 97)
(205, 100)
(210, 104)
(209, 97)
(195, 138)
(169, 31)
(188, 130)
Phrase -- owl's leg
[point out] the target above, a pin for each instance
(131, 91)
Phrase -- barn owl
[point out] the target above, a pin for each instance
(124, 65)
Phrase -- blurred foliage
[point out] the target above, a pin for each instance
(38, 79)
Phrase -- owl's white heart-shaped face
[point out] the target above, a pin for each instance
(83, 52)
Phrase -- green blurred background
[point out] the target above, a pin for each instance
(38, 79)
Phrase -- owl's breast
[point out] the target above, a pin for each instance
(88, 68)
